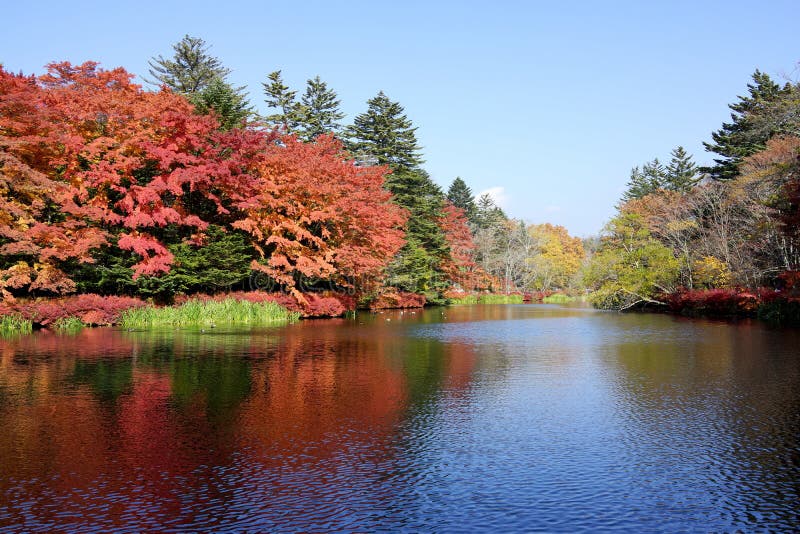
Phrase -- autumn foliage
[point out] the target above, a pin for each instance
(317, 215)
(90, 162)
(90, 309)
(461, 266)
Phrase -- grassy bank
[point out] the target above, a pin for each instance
(490, 298)
(558, 298)
(209, 313)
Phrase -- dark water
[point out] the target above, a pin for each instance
(481, 418)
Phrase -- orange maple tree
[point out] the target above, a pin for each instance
(317, 215)
(461, 266)
(89, 158)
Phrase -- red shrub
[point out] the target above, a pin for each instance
(791, 281)
(397, 299)
(536, 296)
(714, 302)
(91, 309)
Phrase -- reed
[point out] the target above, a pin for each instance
(491, 298)
(558, 298)
(69, 324)
(208, 313)
(15, 324)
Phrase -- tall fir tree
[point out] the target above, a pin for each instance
(738, 139)
(230, 106)
(418, 266)
(190, 70)
(649, 179)
(681, 172)
(385, 133)
(460, 195)
(488, 213)
(319, 111)
(281, 98)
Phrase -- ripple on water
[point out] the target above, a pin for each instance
(509, 418)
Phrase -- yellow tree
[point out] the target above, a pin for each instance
(556, 259)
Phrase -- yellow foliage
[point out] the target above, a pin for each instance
(558, 256)
(712, 273)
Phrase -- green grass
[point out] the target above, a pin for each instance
(208, 313)
(69, 324)
(558, 298)
(469, 299)
(14, 324)
(487, 299)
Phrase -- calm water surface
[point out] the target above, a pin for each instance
(479, 418)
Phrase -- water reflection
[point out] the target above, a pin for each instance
(479, 418)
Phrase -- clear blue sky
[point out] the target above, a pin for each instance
(553, 102)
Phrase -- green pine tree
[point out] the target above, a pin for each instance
(489, 215)
(460, 195)
(281, 98)
(681, 172)
(738, 139)
(385, 133)
(417, 268)
(650, 178)
(230, 106)
(318, 111)
(190, 70)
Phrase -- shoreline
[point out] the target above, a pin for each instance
(253, 308)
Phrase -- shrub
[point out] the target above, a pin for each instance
(89, 309)
(714, 303)
(391, 298)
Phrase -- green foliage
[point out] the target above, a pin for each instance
(489, 214)
(281, 98)
(229, 104)
(649, 179)
(681, 172)
(385, 133)
(209, 313)
(460, 195)
(418, 266)
(740, 138)
(190, 70)
(220, 263)
(14, 324)
(680, 175)
(631, 267)
(319, 111)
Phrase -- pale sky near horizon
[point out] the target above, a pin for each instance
(547, 105)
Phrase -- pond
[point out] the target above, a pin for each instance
(473, 418)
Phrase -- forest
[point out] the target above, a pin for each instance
(115, 198)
